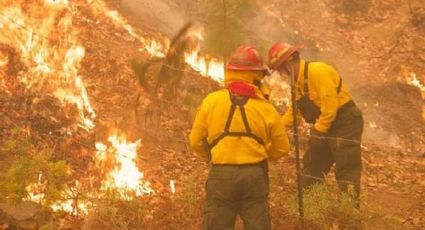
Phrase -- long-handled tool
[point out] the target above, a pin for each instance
(297, 145)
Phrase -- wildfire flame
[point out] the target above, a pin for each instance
(36, 190)
(50, 49)
(72, 59)
(70, 205)
(207, 66)
(204, 65)
(126, 176)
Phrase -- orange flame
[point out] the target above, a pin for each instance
(213, 67)
(49, 63)
(70, 205)
(35, 191)
(126, 176)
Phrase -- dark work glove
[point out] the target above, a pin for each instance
(316, 138)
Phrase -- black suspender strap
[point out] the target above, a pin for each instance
(245, 119)
(230, 118)
(306, 78)
(248, 132)
(237, 101)
(338, 90)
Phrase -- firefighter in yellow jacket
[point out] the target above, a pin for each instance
(239, 130)
(324, 101)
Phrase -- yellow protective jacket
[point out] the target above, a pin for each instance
(263, 120)
(323, 82)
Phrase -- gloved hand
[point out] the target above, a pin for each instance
(316, 138)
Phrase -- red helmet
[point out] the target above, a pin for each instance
(280, 53)
(246, 58)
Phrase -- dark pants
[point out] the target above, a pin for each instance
(233, 190)
(342, 148)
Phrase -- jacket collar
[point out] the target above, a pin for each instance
(246, 89)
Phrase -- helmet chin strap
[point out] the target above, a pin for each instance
(291, 71)
(286, 69)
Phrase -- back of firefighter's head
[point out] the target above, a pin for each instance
(245, 64)
(282, 55)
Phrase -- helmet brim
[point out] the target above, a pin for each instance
(284, 58)
(246, 68)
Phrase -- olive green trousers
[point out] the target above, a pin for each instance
(340, 146)
(237, 190)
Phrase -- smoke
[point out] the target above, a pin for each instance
(297, 22)
(307, 23)
(159, 16)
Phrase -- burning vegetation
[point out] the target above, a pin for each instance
(63, 154)
(94, 116)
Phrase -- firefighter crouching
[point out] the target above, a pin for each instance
(239, 131)
(325, 102)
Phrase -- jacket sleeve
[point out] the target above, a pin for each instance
(279, 143)
(199, 133)
(287, 118)
(327, 92)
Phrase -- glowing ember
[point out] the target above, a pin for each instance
(172, 186)
(125, 177)
(415, 82)
(412, 80)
